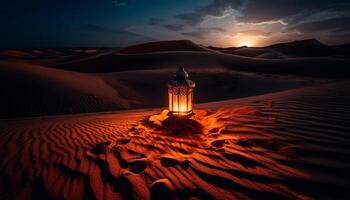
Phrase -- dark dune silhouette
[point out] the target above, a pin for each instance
(308, 48)
(250, 51)
(314, 66)
(30, 90)
(174, 45)
(297, 48)
(228, 49)
(345, 46)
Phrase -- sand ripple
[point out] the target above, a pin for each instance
(288, 145)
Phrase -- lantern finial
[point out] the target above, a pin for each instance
(181, 75)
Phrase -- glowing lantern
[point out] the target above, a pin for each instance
(180, 91)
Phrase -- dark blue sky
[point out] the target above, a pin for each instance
(64, 23)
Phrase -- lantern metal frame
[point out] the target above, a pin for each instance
(180, 94)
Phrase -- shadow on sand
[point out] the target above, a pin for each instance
(179, 126)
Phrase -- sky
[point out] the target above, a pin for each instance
(117, 23)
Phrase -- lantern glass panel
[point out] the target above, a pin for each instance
(189, 102)
(183, 103)
(170, 96)
(175, 103)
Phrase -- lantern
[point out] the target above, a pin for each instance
(180, 92)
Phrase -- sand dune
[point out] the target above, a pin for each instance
(171, 54)
(14, 53)
(30, 90)
(174, 45)
(93, 80)
(287, 145)
(252, 51)
(307, 48)
(211, 85)
(46, 57)
(297, 48)
(321, 66)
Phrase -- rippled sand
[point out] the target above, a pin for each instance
(293, 144)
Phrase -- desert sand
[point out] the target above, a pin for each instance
(290, 144)
(269, 123)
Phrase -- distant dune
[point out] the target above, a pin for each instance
(345, 46)
(174, 45)
(51, 56)
(228, 49)
(297, 48)
(211, 85)
(319, 66)
(271, 55)
(14, 53)
(251, 51)
(308, 48)
(29, 90)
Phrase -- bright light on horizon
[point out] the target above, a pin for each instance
(245, 41)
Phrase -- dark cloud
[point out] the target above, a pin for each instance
(201, 33)
(195, 34)
(335, 24)
(174, 27)
(154, 21)
(252, 33)
(120, 2)
(218, 29)
(216, 8)
(257, 11)
(191, 18)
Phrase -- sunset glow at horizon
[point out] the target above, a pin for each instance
(245, 42)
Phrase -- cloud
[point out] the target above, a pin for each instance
(335, 24)
(218, 29)
(264, 23)
(120, 2)
(217, 8)
(257, 11)
(174, 27)
(154, 21)
(201, 33)
(253, 33)
(270, 20)
(195, 34)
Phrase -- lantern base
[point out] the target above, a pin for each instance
(181, 115)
